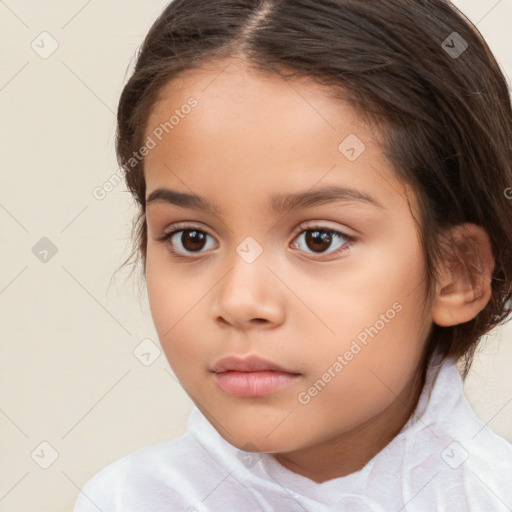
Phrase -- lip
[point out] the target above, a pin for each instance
(251, 376)
(253, 384)
(251, 363)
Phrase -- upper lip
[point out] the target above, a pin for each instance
(250, 363)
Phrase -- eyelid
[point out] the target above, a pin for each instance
(178, 226)
(322, 225)
(303, 226)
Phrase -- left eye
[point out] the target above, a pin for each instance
(319, 239)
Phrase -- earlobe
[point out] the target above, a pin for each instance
(464, 285)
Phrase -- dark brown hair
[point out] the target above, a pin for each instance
(417, 68)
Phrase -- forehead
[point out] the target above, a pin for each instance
(231, 96)
(236, 80)
(257, 132)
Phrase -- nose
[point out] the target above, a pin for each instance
(248, 295)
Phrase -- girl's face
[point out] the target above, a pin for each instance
(343, 310)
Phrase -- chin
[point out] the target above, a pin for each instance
(260, 437)
(260, 444)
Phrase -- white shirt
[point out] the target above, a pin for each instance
(444, 459)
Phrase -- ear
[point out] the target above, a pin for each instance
(464, 285)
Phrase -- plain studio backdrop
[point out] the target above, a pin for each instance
(78, 389)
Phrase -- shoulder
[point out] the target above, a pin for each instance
(179, 474)
(476, 473)
(151, 478)
(488, 456)
(452, 454)
(476, 464)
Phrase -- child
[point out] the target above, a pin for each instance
(344, 169)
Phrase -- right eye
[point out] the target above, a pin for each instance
(183, 242)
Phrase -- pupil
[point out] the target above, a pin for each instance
(318, 239)
(197, 238)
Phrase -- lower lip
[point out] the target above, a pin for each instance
(254, 383)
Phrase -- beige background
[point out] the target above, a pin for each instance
(68, 374)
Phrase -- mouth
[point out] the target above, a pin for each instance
(251, 376)
(254, 384)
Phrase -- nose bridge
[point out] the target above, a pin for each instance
(247, 268)
(245, 292)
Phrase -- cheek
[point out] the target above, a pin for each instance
(161, 291)
(177, 301)
(376, 365)
(376, 307)
(376, 280)
(170, 288)
(167, 296)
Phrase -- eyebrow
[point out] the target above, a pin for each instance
(279, 203)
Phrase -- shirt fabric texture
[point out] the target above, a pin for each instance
(444, 459)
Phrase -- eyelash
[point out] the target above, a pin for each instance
(180, 227)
